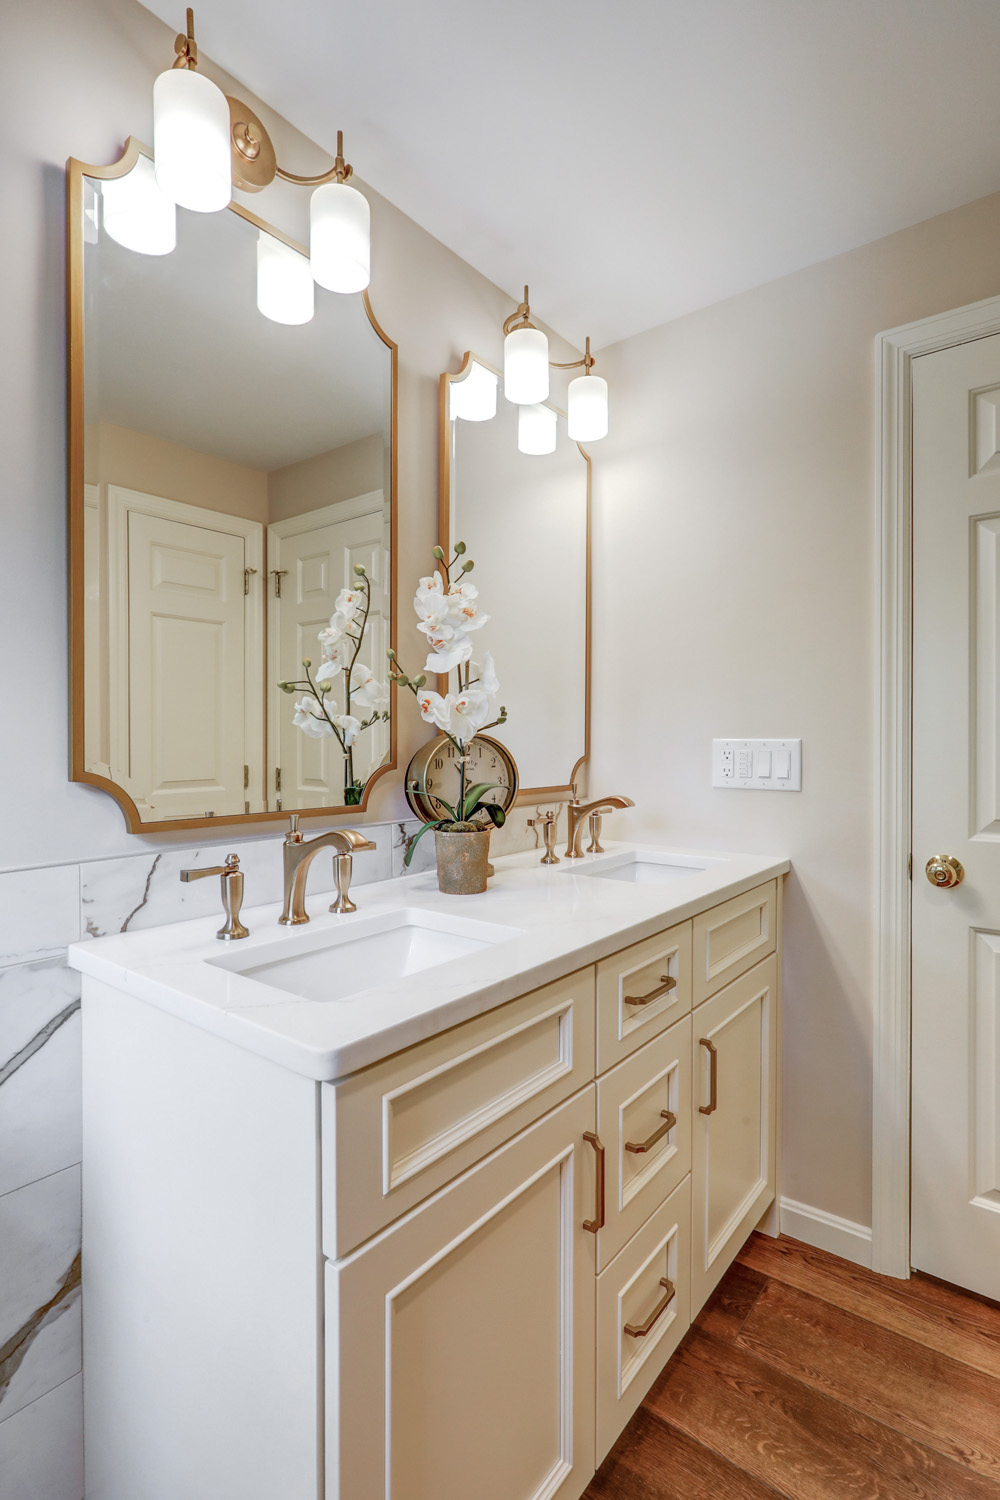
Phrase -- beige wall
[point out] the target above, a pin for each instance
(734, 537)
(354, 469)
(82, 98)
(156, 466)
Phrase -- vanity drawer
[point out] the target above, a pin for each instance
(731, 938)
(405, 1126)
(628, 1295)
(631, 1101)
(626, 1015)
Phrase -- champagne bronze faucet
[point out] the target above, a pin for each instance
(577, 811)
(298, 854)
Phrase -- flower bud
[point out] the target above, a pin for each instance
(287, 687)
(468, 566)
(307, 661)
(438, 553)
(359, 568)
(391, 654)
(403, 681)
(459, 548)
(324, 687)
(418, 682)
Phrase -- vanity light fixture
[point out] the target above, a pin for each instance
(285, 287)
(525, 358)
(526, 366)
(475, 398)
(536, 429)
(205, 144)
(137, 213)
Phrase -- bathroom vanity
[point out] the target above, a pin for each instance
(417, 1202)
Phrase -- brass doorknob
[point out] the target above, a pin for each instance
(944, 870)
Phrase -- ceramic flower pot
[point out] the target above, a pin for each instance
(462, 860)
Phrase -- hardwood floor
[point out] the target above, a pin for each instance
(808, 1378)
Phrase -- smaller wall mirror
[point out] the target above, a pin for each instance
(228, 471)
(525, 518)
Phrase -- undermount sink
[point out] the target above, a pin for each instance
(644, 867)
(338, 964)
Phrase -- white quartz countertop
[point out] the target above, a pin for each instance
(551, 920)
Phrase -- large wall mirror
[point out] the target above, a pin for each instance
(227, 473)
(525, 518)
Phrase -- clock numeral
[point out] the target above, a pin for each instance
(438, 764)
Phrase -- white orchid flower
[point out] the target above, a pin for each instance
(449, 656)
(434, 709)
(330, 669)
(487, 675)
(469, 712)
(309, 718)
(366, 691)
(348, 603)
(349, 727)
(463, 611)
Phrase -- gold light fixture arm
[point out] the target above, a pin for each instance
(341, 171)
(587, 362)
(521, 318)
(185, 46)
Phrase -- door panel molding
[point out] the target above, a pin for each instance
(895, 351)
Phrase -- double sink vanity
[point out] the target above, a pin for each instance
(417, 1201)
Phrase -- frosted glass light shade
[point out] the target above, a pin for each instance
(536, 429)
(285, 287)
(191, 147)
(340, 237)
(526, 366)
(137, 213)
(475, 398)
(588, 408)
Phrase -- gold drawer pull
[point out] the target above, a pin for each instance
(664, 987)
(713, 1078)
(597, 1222)
(639, 1330)
(638, 1147)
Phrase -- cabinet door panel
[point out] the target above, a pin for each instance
(460, 1343)
(628, 1295)
(631, 1099)
(733, 1148)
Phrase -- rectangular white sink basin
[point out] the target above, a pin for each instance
(645, 867)
(339, 963)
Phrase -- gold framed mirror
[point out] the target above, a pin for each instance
(227, 472)
(525, 518)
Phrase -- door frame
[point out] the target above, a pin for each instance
(896, 350)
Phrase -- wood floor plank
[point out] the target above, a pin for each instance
(918, 1391)
(650, 1461)
(939, 1316)
(805, 1444)
(728, 1308)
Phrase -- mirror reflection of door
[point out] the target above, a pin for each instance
(311, 558)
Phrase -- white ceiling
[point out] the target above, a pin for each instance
(636, 159)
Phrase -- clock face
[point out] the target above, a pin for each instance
(433, 775)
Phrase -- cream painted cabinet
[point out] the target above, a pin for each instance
(734, 1121)
(460, 1342)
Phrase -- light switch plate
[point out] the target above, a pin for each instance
(736, 763)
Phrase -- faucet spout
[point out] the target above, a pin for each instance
(577, 811)
(298, 854)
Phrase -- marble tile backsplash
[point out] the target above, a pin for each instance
(42, 911)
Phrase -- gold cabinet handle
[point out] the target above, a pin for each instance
(639, 1330)
(713, 1078)
(664, 987)
(639, 1147)
(597, 1222)
(944, 871)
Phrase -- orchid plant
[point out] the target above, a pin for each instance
(365, 699)
(448, 615)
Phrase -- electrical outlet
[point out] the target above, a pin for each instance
(758, 765)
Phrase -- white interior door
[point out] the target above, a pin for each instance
(185, 699)
(312, 558)
(956, 812)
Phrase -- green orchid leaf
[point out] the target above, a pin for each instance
(474, 795)
(494, 812)
(418, 836)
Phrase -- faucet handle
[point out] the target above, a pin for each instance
(595, 846)
(232, 895)
(293, 836)
(547, 822)
(343, 866)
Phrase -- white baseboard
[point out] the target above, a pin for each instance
(814, 1226)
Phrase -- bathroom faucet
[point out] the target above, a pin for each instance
(298, 854)
(577, 811)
